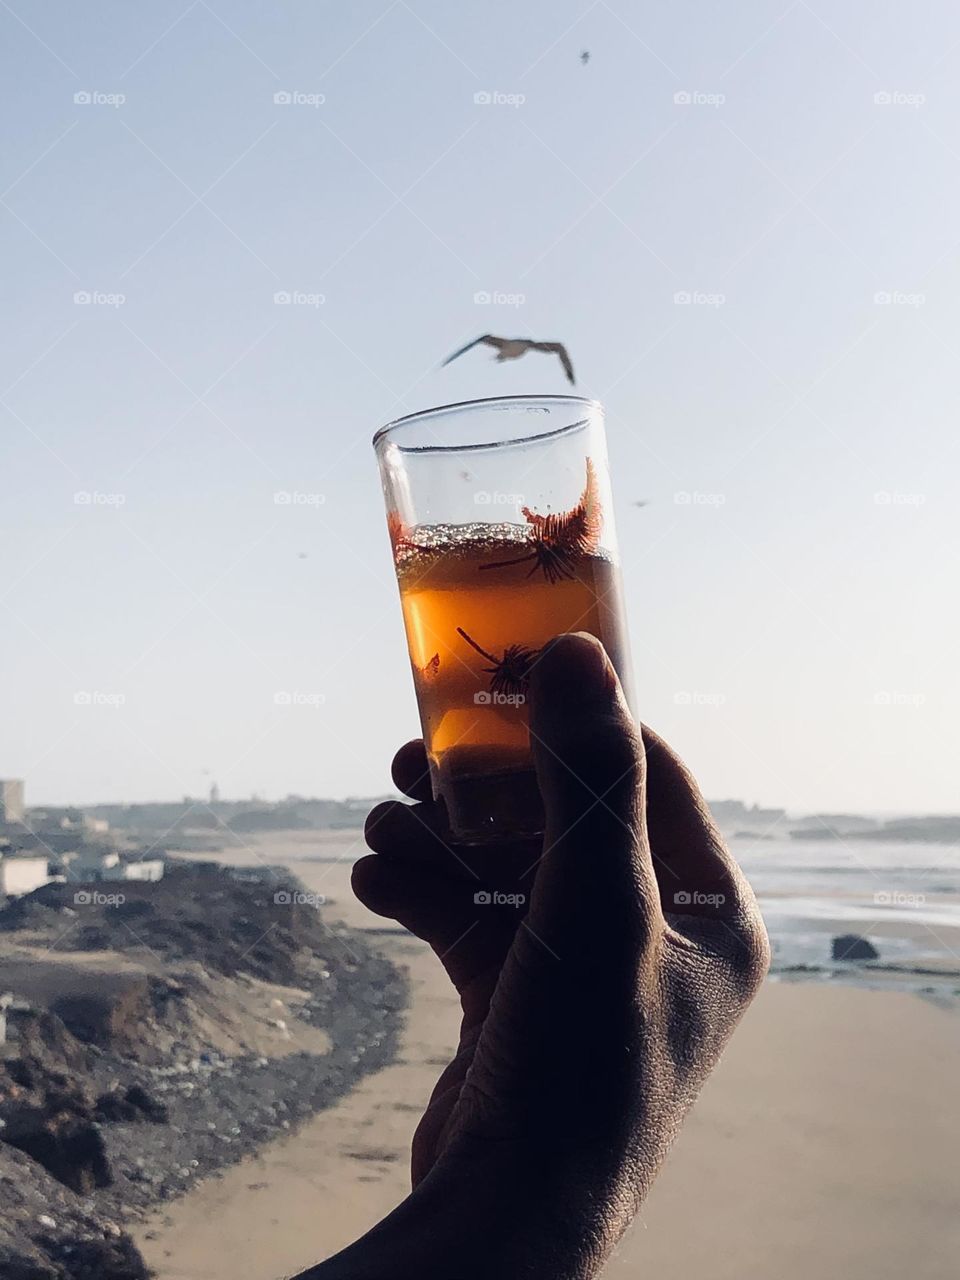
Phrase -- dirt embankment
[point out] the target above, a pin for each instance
(156, 1039)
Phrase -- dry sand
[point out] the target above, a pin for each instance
(825, 1145)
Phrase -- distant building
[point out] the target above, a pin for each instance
(96, 863)
(20, 874)
(11, 800)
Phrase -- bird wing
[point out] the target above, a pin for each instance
(558, 349)
(485, 337)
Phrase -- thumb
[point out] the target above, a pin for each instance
(595, 890)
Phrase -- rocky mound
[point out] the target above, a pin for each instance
(197, 912)
(47, 1233)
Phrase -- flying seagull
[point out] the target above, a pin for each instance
(585, 56)
(643, 502)
(514, 348)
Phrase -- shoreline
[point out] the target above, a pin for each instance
(828, 1103)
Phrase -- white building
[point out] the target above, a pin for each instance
(21, 874)
(105, 864)
(11, 800)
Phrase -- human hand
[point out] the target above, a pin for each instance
(592, 1014)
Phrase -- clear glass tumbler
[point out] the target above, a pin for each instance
(500, 518)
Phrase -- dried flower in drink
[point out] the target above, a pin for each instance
(397, 530)
(431, 669)
(560, 539)
(508, 675)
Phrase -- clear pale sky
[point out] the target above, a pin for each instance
(812, 623)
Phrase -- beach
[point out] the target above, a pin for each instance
(825, 1144)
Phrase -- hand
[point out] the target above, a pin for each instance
(593, 1013)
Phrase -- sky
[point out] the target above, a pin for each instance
(742, 221)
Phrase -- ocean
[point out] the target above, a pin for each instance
(903, 897)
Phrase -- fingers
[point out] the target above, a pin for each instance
(411, 773)
(696, 873)
(595, 888)
(418, 833)
(468, 937)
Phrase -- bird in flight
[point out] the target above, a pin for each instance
(642, 502)
(514, 348)
(585, 56)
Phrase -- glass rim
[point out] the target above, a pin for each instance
(420, 415)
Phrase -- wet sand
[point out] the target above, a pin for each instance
(824, 1145)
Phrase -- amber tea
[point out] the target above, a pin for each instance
(480, 598)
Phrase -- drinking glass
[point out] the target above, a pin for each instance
(500, 518)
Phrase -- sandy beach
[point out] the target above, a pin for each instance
(824, 1145)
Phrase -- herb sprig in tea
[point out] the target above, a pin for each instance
(508, 675)
(560, 539)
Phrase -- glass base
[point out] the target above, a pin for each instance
(490, 808)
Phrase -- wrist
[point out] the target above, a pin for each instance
(483, 1214)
